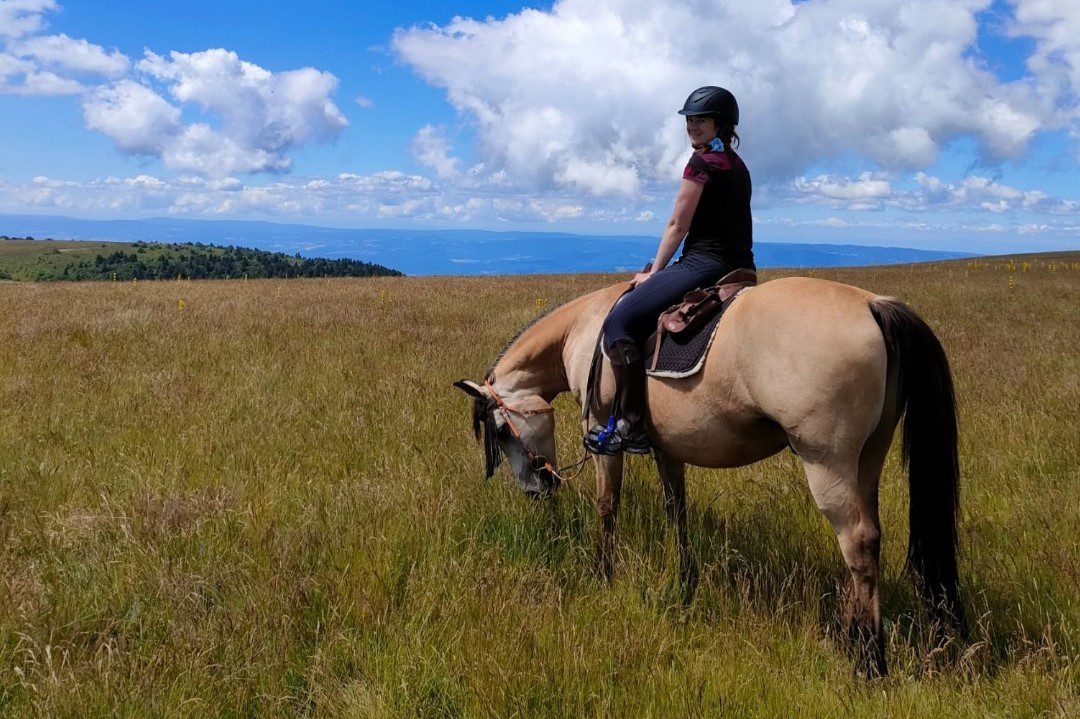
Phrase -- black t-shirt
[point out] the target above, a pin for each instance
(721, 225)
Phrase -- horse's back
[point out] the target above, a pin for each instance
(788, 355)
(800, 322)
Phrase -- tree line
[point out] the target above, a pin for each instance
(203, 262)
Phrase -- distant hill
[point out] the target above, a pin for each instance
(41, 260)
(445, 252)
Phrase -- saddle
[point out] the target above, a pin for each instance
(690, 324)
(683, 333)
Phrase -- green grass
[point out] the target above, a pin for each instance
(268, 503)
(46, 259)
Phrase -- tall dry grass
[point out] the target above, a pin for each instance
(262, 499)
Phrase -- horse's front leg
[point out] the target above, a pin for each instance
(609, 471)
(673, 482)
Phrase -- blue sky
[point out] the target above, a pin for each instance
(928, 123)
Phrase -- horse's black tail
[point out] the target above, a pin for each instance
(929, 450)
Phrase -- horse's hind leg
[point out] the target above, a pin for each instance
(852, 509)
(673, 481)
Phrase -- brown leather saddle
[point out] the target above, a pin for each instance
(683, 333)
(689, 319)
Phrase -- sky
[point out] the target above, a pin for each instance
(940, 124)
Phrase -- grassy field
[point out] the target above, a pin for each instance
(47, 260)
(30, 259)
(230, 498)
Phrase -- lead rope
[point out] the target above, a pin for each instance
(580, 464)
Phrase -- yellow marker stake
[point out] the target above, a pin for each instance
(180, 303)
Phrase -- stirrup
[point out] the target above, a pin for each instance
(639, 443)
(616, 437)
(634, 442)
(603, 439)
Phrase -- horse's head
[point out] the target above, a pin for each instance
(521, 426)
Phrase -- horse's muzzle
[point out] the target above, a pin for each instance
(545, 482)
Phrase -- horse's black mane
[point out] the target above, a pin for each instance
(490, 374)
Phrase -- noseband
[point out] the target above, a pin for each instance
(537, 462)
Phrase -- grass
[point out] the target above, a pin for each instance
(267, 502)
(46, 259)
(30, 259)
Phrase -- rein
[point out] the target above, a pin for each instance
(536, 461)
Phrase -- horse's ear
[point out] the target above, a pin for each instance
(470, 388)
(481, 404)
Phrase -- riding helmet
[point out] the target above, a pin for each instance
(712, 100)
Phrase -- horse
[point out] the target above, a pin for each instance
(824, 368)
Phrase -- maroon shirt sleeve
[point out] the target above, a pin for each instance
(716, 160)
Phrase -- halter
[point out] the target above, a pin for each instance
(536, 461)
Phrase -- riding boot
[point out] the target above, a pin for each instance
(629, 371)
(625, 430)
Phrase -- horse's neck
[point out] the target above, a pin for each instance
(533, 363)
(548, 357)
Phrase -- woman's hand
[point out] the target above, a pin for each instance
(639, 278)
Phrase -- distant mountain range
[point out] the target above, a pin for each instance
(444, 252)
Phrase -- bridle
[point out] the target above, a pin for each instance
(537, 462)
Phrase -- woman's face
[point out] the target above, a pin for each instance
(701, 129)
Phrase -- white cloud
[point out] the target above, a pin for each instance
(388, 195)
(36, 82)
(21, 73)
(385, 180)
(22, 17)
(365, 102)
(972, 194)
(866, 188)
(137, 119)
(527, 209)
(890, 80)
(431, 149)
(11, 65)
(255, 117)
(264, 114)
(200, 148)
(195, 195)
(1055, 26)
(78, 56)
(975, 192)
(408, 208)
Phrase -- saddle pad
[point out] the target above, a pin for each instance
(683, 355)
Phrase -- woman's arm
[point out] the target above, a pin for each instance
(685, 204)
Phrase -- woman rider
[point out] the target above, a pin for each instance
(712, 212)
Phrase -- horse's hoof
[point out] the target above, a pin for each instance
(604, 568)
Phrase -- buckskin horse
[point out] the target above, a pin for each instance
(822, 367)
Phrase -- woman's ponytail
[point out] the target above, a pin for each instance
(727, 135)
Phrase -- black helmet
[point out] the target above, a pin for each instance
(712, 100)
